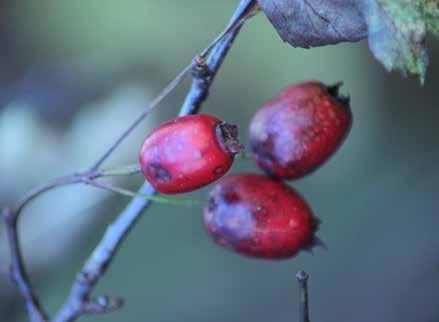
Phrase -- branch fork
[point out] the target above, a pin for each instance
(79, 302)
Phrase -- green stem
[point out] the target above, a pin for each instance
(129, 193)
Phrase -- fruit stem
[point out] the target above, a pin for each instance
(129, 193)
(302, 278)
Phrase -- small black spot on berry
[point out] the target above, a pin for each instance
(157, 172)
(219, 170)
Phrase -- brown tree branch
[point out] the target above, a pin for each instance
(102, 256)
(18, 272)
(302, 278)
(80, 301)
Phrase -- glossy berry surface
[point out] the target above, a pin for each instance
(188, 153)
(259, 217)
(297, 131)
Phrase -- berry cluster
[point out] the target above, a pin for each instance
(254, 215)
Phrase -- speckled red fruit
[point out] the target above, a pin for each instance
(188, 152)
(300, 129)
(259, 217)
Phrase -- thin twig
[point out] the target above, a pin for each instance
(235, 23)
(302, 278)
(18, 272)
(207, 70)
(79, 301)
(67, 180)
(57, 182)
(98, 262)
(165, 92)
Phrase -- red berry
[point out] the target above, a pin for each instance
(188, 152)
(259, 217)
(300, 129)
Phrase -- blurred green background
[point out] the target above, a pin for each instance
(75, 73)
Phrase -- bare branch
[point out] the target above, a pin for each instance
(101, 257)
(79, 301)
(18, 273)
(98, 262)
(302, 278)
(205, 71)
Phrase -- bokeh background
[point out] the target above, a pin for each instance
(73, 74)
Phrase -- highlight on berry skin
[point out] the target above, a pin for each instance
(300, 129)
(188, 152)
(257, 216)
